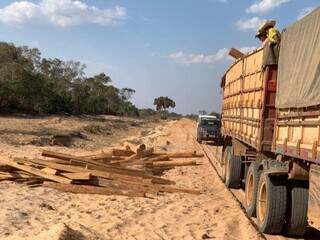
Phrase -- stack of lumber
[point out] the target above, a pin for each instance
(107, 173)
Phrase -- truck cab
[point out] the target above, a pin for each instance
(208, 128)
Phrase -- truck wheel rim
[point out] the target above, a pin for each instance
(249, 189)
(262, 202)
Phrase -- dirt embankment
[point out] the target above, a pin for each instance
(41, 213)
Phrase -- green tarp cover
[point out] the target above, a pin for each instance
(299, 64)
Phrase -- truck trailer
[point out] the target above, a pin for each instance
(271, 130)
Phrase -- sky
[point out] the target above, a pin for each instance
(174, 48)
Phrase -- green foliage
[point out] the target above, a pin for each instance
(163, 103)
(218, 115)
(29, 83)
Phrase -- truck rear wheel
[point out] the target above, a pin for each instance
(226, 153)
(271, 203)
(251, 188)
(296, 219)
(232, 169)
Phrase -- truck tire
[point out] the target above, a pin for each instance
(251, 188)
(271, 203)
(226, 153)
(232, 169)
(297, 211)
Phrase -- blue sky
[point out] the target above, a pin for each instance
(175, 48)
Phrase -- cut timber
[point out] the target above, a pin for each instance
(168, 189)
(144, 187)
(159, 158)
(92, 190)
(122, 152)
(77, 176)
(180, 154)
(36, 171)
(123, 185)
(16, 175)
(235, 53)
(98, 173)
(132, 158)
(49, 171)
(94, 165)
(136, 148)
(174, 163)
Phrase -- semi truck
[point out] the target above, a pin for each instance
(271, 130)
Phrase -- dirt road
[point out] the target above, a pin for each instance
(215, 214)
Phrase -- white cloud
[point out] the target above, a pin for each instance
(181, 57)
(219, 56)
(264, 6)
(63, 13)
(305, 11)
(249, 24)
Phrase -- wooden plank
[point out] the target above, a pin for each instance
(77, 175)
(16, 175)
(174, 163)
(98, 173)
(122, 152)
(123, 185)
(193, 154)
(96, 165)
(72, 188)
(145, 187)
(35, 171)
(49, 171)
(235, 53)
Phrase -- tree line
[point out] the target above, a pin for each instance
(32, 84)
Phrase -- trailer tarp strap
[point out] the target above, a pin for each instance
(299, 64)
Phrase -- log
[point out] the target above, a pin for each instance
(36, 171)
(174, 163)
(83, 176)
(92, 190)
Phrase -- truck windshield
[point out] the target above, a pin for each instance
(209, 122)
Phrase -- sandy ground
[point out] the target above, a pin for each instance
(39, 213)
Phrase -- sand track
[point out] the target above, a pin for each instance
(215, 214)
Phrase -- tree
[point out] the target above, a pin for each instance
(126, 93)
(30, 83)
(163, 103)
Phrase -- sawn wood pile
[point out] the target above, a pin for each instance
(131, 171)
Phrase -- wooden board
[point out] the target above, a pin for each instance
(77, 175)
(104, 174)
(174, 163)
(92, 190)
(35, 171)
